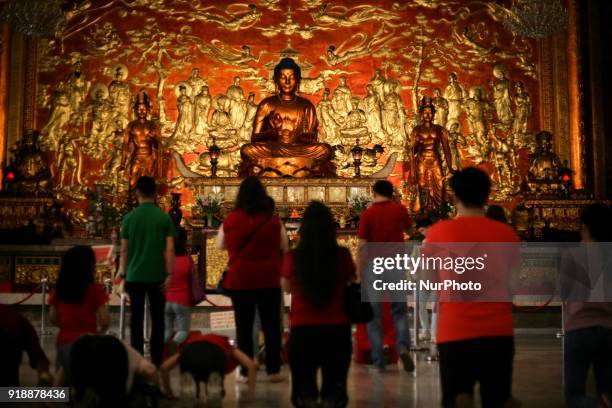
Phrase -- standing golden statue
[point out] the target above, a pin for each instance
(119, 95)
(475, 109)
(181, 137)
(371, 106)
(141, 143)
(501, 96)
(69, 162)
(60, 116)
(329, 120)
(441, 106)
(453, 93)
(284, 139)
(520, 126)
(428, 143)
(202, 104)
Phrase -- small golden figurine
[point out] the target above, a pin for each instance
(428, 143)
(284, 139)
(142, 155)
(544, 166)
(32, 175)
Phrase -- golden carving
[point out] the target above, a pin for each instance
(201, 108)
(77, 87)
(504, 163)
(112, 171)
(475, 108)
(441, 105)
(544, 166)
(26, 274)
(32, 175)
(219, 51)
(501, 96)
(220, 124)
(60, 115)
(101, 124)
(290, 27)
(453, 93)
(393, 116)
(235, 17)
(69, 162)
(520, 126)
(119, 96)
(103, 39)
(181, 139)
(341, 16)
(359, 45)
(18, 212)
(142, 144)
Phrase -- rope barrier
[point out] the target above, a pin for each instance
(22, 300)
(536, 308)
(28, 296)
(229, 307)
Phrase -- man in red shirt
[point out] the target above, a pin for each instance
(475, 339)
(16, 336)
(386, 221)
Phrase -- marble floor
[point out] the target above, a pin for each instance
(537, 381)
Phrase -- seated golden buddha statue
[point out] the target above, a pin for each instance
(544, 167)
(32, 175)
(284, 139)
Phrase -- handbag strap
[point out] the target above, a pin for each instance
(246, 242)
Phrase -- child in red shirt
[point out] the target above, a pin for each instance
(208, 358)
(78, 304)
(178, 299)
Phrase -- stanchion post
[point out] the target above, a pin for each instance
(416, 319)
(146, 319)
(43, 307)
(122, 317)
(108, 285)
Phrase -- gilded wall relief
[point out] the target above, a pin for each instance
(206, 65)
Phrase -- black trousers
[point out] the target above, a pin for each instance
(327, 347)
(157, 303)
(486, 360)
(268, 303)
(583, 348)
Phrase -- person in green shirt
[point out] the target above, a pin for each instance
(146, 262)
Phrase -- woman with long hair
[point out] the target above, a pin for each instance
(78, 303)
(255, 241)
(316, 274)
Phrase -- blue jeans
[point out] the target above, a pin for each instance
(583, 348)
(399, 312)
(181, 315)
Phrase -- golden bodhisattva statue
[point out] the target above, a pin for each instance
(428, 143)
(141, 143)
(284, 139)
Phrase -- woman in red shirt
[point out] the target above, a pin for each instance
(178, 299)
(255, 241)
(316, 274)
(78, 304)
